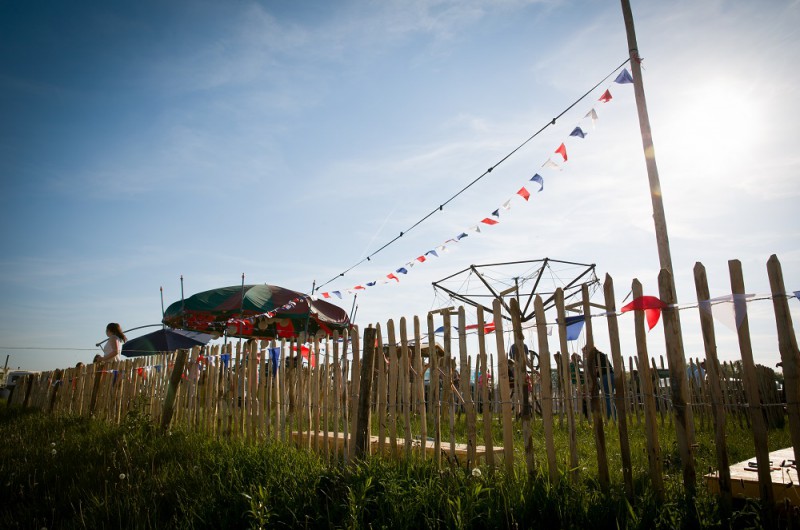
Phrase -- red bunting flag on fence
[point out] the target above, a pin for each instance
(651, 306)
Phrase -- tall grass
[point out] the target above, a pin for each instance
(79, 473)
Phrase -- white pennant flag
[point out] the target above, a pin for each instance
(592, 114)
(730, 310)
(475, 228)
(506, 205)
(552, 165)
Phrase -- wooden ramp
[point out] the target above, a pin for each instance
(337, 443)
(744, 478)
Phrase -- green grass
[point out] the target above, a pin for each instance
(78, 473)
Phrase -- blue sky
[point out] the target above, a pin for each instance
(285, 140)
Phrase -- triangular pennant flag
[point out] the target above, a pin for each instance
(475, 228)
(371, 284)
(337, 293)
(442, 248)
(461, 236)
(624, 77)
(577, 131)
(496, 213)
(525, 194)
(402, 270)
(538, 178)
(797, 294)
(391, 276)
(731, 309)
(574, 326)
(421, 259)
(506, 205)
(606, 97)
(562, 150)
(651, 306)
(326, 295)
(432, 253)
(488, 221)
(359, 287)
(593, 115)
(411, 264)
(552, 165)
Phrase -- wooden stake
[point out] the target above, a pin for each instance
(485, 396)
(591, 378)
(565, 362)
(751, 390)
(646, 383)
(787, 344)
(547, 388)
(717, 409)
(619, 384)
(365, 391)
(505, 391)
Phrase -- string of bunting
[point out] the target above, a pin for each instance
(578, 133)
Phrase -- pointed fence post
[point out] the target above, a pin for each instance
(591, 377)
(172, 389)
(787, 344)
(717, 405)
(756, 411)
(547, 388)
(679, 382)
(619, 384)
(365, 392)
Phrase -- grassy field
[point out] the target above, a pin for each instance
(79, 473)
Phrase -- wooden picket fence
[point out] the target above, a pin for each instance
(368, 393)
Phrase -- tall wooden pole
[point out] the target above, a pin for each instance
(684, 419)
(659, 218)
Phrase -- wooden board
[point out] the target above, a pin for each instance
(744, 478)
(461, 450)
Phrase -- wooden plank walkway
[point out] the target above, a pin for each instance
(336, 442)
(744, 478)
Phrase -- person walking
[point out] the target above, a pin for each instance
(113, 346)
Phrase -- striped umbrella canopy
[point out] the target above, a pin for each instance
(255, 311)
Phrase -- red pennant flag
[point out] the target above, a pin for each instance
(524, 193)
(326, 295)
(391, 276)
(489, 222)
(562, 149)
(651, 306)
(421, 259)
(606, 97)
(359, 287)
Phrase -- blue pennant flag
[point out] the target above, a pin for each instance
(624, 77)
(496, 213)
(797, 294)
(577, 131)
(371, 284)
(461, 236)
(574, 326)
(401, 270)
(432, 253)
(538, 178)
(274, 359)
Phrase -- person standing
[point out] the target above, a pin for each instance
(113, 346)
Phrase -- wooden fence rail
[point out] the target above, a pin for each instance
(409, 397)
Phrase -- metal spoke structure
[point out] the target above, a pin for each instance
(522, 280)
